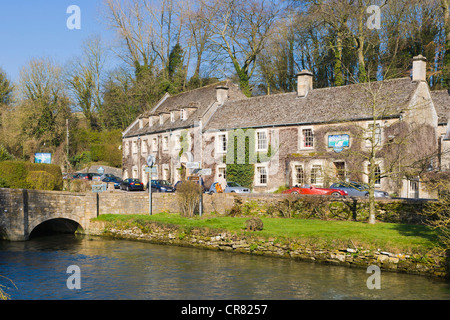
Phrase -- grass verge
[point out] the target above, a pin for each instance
(393, 237)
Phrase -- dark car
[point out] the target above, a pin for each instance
(87, 176)
(114, 179)
(161, 186)
(131, 184)
(356, 189)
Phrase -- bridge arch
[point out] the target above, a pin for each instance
(54, 225)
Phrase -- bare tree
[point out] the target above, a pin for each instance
(84, 79)
(240, 31)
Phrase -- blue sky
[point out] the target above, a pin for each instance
(32, 29)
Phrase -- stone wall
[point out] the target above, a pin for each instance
(292, 249)
(388, 210)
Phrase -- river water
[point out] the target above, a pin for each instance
(122, 270)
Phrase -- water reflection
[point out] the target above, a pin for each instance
(117, 269)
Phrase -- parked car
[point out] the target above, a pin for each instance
(308, 189)
(131, 184)
(231, 187)
(161, 186)
(87, 176)
(114, 179)
(356, 189)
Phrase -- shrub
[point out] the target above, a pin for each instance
(41, 180)
(188, 197)
(18, 175)
(254, 224)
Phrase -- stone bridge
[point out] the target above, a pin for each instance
(25, 211)
(28, 212)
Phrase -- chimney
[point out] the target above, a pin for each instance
(419, 70)
(304, 83)
(222, 94)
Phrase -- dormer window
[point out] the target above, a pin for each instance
(172, 116)
(182, 114)
(161, 119)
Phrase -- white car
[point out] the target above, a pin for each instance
(230, 188)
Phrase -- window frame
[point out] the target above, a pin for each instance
(302, 142)
(257, 140)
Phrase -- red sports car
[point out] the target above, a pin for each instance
(317, 191)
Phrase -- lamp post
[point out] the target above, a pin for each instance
(150, 163)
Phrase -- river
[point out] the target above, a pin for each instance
(121, 270)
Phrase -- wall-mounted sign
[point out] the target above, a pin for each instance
(43, 158)
(338, 142)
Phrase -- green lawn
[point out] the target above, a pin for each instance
(392, 237)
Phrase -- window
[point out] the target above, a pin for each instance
(183, 114)
(222, 171)
(134, 147)
(299, 175)
(127, 148)
(161, 119)
(172, 116)
(308, 138)
(377, 173)
(144, 148)
(316, 175)
(222, 143)
(377, 134)
(165, 143)
(261, 140)
(155, 145)
(261, 175)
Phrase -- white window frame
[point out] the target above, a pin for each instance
(320, 178)
(219, 168)
(219, 144)
(302, 137)
(155, 144)
(144, 146)
(165, 143)
(295, 175)
(183, 114)
(258, 182)
(172, 116)
(161, 119)
(127, 148)
(266, 147)
(378, 134)
(134, 147)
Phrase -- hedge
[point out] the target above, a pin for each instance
(26, 175)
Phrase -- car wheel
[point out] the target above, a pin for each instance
(366, 195)
(336, 194)
(294, 192)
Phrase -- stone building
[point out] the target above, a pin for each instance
(311, 136)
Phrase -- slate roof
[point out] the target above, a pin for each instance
(441, 101)
(335, 104)
(200, 99)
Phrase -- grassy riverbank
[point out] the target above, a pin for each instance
(392, 237)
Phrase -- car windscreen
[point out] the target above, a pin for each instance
(233, 184)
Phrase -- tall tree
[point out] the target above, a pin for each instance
(241, 29)
(84, 79)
